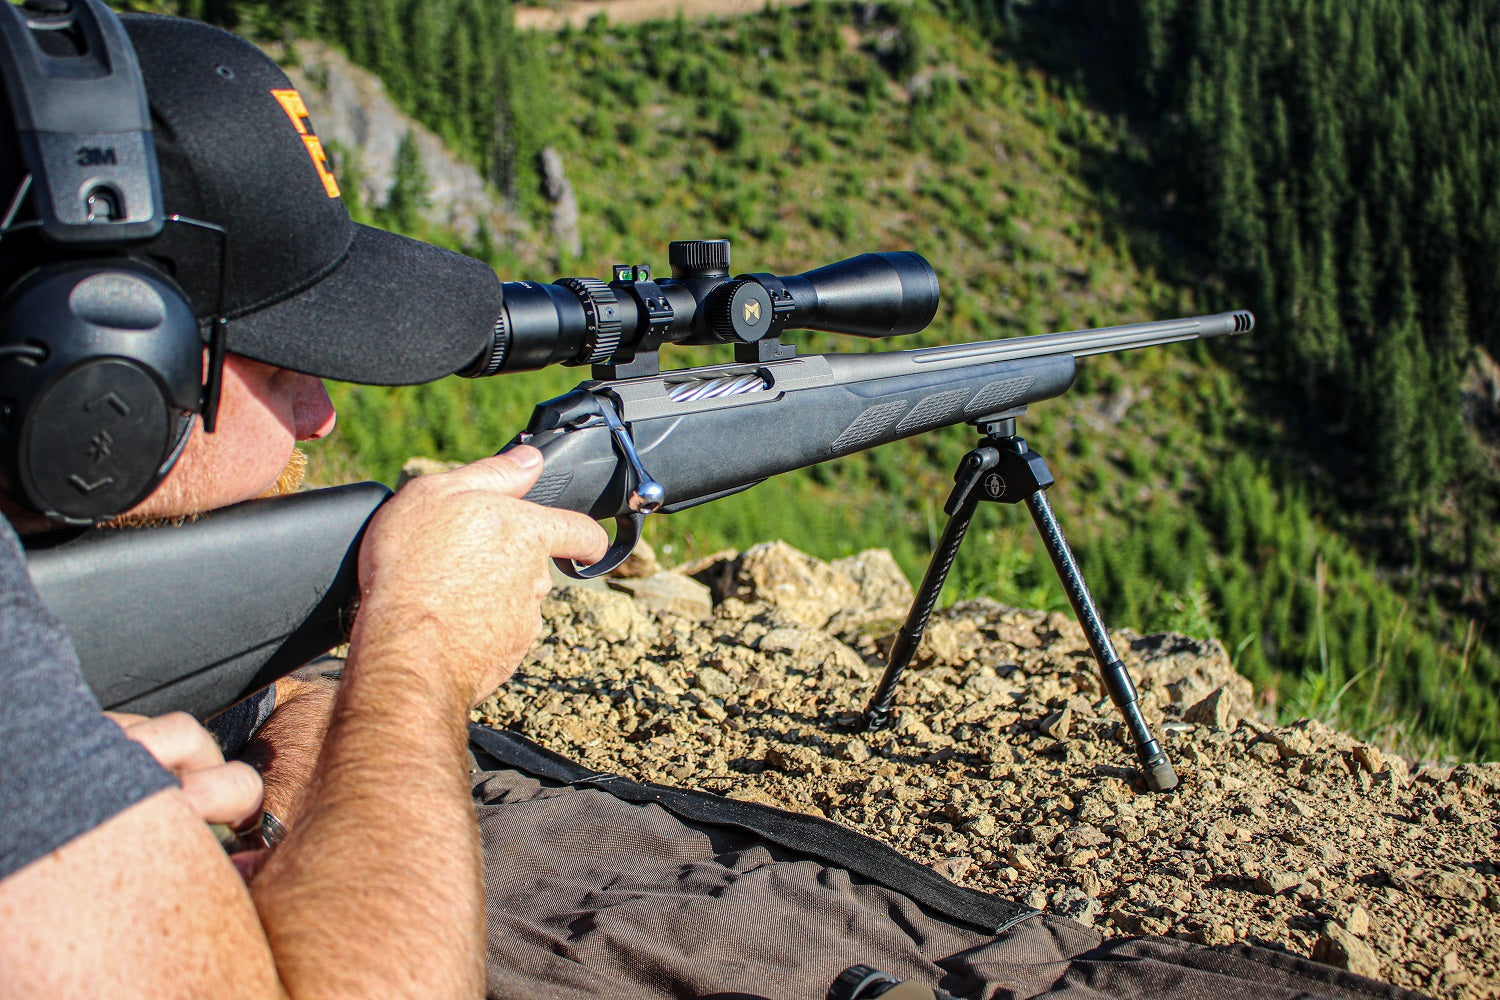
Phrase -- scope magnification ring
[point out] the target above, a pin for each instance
(494, 359)
(601, 310)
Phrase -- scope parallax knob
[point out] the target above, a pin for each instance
(698, 258)
(740, 312)
(601, 310)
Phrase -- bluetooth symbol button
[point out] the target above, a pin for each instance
(100, 446)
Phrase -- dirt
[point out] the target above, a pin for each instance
(1008, 770)
(577, 13)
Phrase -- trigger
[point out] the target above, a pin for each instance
(627, 533)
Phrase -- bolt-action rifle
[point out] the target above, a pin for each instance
(196, 616)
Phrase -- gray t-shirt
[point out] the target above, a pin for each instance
(64, 767)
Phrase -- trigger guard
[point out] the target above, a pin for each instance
(627, 533)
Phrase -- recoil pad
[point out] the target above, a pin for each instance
(101, 369)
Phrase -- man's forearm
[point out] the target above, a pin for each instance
(285, 749)
(379, 888)
(386, 838)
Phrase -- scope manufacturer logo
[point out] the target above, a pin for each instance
(752, 312)
(96, 156)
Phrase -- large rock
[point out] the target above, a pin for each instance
(362, 127)
(668, 591)
(884, 590)
(1217, 710)
(804, 589)
(1341, 949)
(577, 615)
(559, 191)
(1188, 670)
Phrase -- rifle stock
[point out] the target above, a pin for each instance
(197, 616)
(194, 617)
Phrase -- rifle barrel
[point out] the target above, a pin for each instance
(1082, 343)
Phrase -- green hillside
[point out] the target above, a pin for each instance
(811, 135)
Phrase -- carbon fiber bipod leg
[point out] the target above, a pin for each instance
(1004, 469)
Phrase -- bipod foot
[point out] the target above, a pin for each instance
(878, 718)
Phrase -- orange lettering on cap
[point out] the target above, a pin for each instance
(291, 102)
(320, 160)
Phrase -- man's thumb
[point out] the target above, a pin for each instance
(513, 471)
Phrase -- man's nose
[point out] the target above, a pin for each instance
(312, 410)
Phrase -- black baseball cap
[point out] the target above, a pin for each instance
(302, 285)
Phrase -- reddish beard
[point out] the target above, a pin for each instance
(289, 481)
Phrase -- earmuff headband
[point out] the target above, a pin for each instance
(78, 105)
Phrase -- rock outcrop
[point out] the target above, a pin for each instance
(363, 130)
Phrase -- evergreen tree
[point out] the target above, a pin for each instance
(1157, 21)
(1236, 198)
(408, 194)
(1394, 396)
(427, 65)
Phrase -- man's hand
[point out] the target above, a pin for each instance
(452, 571)
(218, 792)
(460, 555)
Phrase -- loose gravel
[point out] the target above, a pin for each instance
(1008, 770)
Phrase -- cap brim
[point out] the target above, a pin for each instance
(394, 311)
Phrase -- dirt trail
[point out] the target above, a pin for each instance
(577, 12)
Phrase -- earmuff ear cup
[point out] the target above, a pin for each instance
(95, 426)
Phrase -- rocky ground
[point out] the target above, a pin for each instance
(1008, 772)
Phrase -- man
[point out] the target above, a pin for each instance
(589, 885)
(110, 881)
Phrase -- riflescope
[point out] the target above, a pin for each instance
(583, 321)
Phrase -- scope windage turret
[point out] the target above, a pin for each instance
(580, 321)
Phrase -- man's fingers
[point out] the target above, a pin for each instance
(577, 537)
(177, 741)
(229, 793)
(512, 472)
(218, 792)
(126, 719)
(572, 535)
(248, 863)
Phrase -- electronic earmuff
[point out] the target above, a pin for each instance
(103, 374)
(101, 354)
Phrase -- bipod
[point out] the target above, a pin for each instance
(1004, 469)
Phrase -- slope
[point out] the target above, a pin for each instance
(813, 134)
